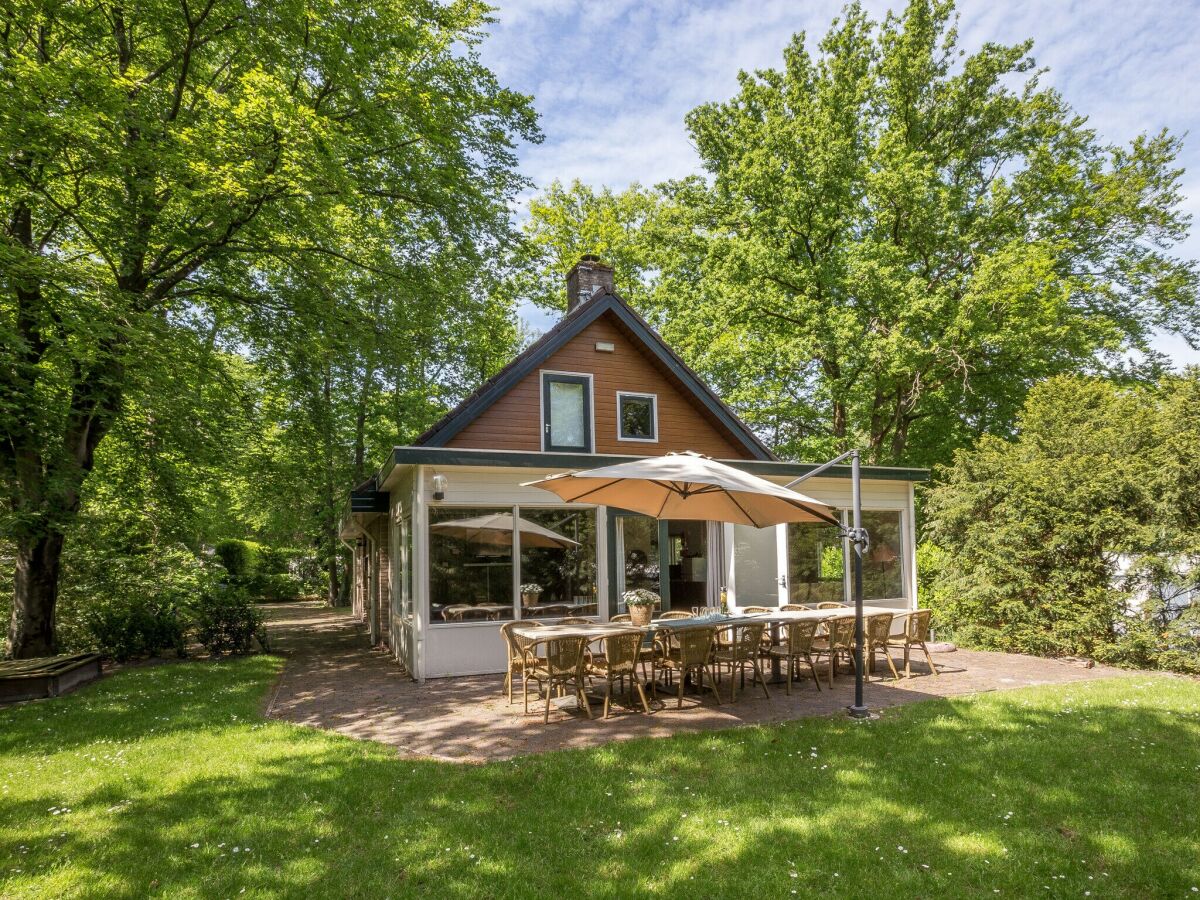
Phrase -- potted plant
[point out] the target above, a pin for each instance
(640, 604)
(530, 593)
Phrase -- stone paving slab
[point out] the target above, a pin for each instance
(334, 680)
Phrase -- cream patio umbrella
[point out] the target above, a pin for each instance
(497, 530)
(688, 486)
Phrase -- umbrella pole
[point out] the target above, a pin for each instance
(859, 709)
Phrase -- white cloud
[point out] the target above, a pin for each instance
(613, 79)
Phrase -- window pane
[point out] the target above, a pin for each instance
(815, 564)
(637, 417)
(639, 552)
(755, 566)
(883, 577)
(558, 563)
(567, 427)
(470, 564)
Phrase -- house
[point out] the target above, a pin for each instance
(448, 543)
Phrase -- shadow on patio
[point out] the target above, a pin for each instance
(334, 681)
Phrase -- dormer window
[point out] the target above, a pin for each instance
(637, 417)
(566, 412)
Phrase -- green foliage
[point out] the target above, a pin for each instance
(129, 627)
(241, 559)
(1079, 536)
(224, 620)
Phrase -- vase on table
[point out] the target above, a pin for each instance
(641, 615)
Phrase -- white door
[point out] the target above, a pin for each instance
(758, 570)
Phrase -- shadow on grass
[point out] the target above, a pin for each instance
(1082, 787)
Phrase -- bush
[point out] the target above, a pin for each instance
(226, 621)
(241, 559)
(129, 627)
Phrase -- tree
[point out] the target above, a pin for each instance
(164, 163)
(1079, 536)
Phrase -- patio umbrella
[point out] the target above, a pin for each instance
(688, 486)
(497, 530)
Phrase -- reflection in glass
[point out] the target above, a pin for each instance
(637, 417)
(816, 567)
(564, 569)
(883, 577)
(470, 568)
(755, 566)
(638, 543)
(566, 414)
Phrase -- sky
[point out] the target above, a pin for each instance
(613, 79)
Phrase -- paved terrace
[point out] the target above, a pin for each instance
(333, 680)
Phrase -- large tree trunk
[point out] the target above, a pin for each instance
(32, 630)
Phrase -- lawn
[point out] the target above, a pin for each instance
(167, 781)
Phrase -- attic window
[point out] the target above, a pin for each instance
(566, 412)
(637, 417)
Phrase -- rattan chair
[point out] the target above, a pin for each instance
(828, 604)
(675, 614)
(575, 620)
(621, 617)
(798, 607)
(622, 653)
(758, 610)
(563, 666)
(877, 629)
(520, 657)
(686, 650)
(744, 649)
(915, 633)
(838, 641)
(799, 646)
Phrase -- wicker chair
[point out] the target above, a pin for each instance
(520, 658)
(798, 607)
(877, 629)
(799, 646)
(622, 653)
(621, 617)
(675, 614)
(744, 650)
(757, 610)
(915, 634)
(575, 620)
(684, 650)
(839, 640)
(563, 665)
(828, 604)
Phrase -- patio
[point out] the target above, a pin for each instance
(334, 681)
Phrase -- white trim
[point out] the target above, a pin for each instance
(542, 423)
(420, 575)
(653, 398)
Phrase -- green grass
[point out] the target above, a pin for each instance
(167, 781)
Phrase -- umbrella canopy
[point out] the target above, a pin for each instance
(497, 530)
(689, 486)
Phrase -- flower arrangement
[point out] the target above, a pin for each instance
(640, 597)
(531, 588)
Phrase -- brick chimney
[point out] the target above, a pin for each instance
(585, 278)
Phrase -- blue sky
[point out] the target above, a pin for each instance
(613, 79)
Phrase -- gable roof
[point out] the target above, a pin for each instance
(566, 329)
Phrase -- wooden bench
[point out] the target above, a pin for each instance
(47, 676)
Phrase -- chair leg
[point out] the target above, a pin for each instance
(608, 688)
(813, 670)
(791, 673)
(525, 688)
(582, 695)
(508, 682)
(716, 692)
(546, 717)
(932, 667)
(641, 693)
(907, 665)
(681, 680)
(891, 665)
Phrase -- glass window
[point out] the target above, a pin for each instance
(883, 572)
(755, 566)
(637, 549)
(637, 417)
(470, 564)
(566, 412)
(558, 563)
(816, 567)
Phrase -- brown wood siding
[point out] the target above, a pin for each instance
(514, 422)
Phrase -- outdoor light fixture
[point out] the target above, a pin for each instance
(439, 487)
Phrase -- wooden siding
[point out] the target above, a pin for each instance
(382, 581)
(514, 422)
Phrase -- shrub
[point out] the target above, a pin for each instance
(129, 627)
(240, 558)
(226, 621)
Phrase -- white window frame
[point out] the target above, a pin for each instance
(641, 395)
(542, 423)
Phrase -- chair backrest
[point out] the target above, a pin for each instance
(801, 634)
(841, 632)
(455, 612)
(751, 610)
(746, 639)
(917, 627)
(694, 644)
(878, 627)
(574, 620)
(829, 605)
(676, 614)
(798, 607)
(517, 645)
(565, 656)
(621, 617)
(623, 651)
